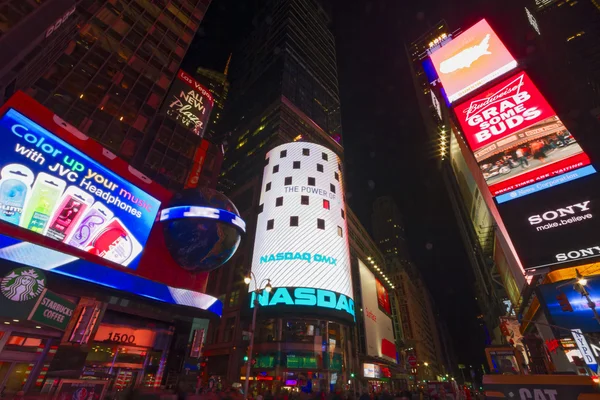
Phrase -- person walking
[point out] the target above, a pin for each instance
(521, 158)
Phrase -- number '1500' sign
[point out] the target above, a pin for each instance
(125, 335)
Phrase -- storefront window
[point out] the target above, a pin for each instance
(266, 331)
(16, 374)
(302, 331)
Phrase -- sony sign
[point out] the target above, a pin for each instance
(578, 254)
(561, 212)
(309, 297)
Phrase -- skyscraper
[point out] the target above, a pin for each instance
(284, 85)
(284, 88)
(32, 36)
(388, 228)
(474, 220)
(218, 84)
(416, 317)
(114, 73)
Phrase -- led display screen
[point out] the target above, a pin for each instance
(582, 316)
(301, 240)
(188, 103)
(556, 227)
(379, 332)
(49, 187)
(470, 60)
(517, 139)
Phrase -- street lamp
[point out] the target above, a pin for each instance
(580, 288)
(257, 290)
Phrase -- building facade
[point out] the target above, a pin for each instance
(284, 89)
(34, 35)
(416, 316)
(473, 218)
(104, 67)
(508, 288)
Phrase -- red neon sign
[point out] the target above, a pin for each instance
(516, 137)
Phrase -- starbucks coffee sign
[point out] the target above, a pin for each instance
(25, 297)
(23, 284)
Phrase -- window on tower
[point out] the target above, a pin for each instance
(320, 223)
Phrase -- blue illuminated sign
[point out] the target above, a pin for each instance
(582, 316)
(33, 255)
(546, 184)
(308, 257)
(49, 187)
(180, 212)
(306, 297)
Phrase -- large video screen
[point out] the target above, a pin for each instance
(379, 331)
(582, 316)
(470, 60)
(49, 187)
(301, 233)
(560, 226)
(519, 142)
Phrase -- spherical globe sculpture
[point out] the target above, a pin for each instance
(202, 229)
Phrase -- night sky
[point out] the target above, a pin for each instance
(386, 148)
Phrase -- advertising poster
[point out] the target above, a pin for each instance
(383, 298)
(49, 187)
(379, 331)
(188, 103)
(79, 389)
(301, 240)
(470, 60)
(518, 140)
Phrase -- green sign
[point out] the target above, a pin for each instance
(23, 284)
(53, 310)
(301, 361)
(20, 290)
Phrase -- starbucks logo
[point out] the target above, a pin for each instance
(23, 284)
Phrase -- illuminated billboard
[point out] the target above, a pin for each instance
(379, 331)
(556, 227)
(188, 103)
(49, 187)
(582, 316)
(518, 141)
(84, 191)
(470, 60)
(301, 242)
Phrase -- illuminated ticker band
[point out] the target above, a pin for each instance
(181, 212)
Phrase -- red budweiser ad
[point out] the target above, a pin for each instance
(516, 137)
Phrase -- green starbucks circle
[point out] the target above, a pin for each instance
(23, 284)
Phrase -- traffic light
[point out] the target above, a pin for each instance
(245, 358)
(352, 375)
(564, 302)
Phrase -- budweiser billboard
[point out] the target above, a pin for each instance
(474, 58)
(517, 138)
